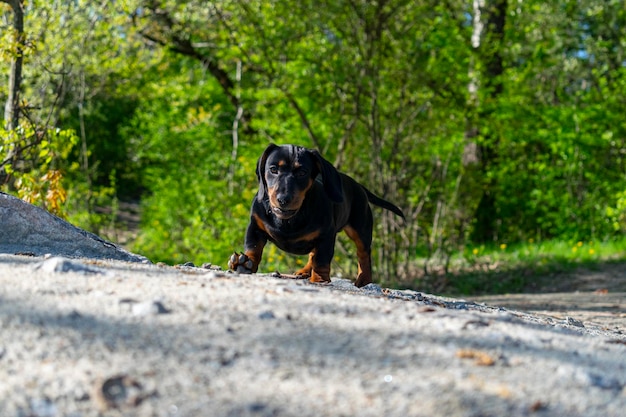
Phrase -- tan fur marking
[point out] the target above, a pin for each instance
(364, 276)
(309, 236)
(306, 270)
(320, 274)
(259, 222)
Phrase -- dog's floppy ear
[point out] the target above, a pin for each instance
(260, 171)
(330, 178)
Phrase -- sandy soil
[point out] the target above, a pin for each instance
(102, 338)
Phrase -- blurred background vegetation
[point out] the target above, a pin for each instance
(496, 125)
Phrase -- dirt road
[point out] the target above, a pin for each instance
(591, 295)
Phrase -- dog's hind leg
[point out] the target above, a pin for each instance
(362, 237)
(317, 268)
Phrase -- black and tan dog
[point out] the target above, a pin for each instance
(301, 205)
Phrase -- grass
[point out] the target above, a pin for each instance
(515, 268)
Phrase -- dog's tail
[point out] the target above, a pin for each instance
(377, 201)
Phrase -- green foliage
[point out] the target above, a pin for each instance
(194, 206)
(616, 216)
(31, 162)
(410, 98)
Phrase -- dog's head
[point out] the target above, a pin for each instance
(286, 173)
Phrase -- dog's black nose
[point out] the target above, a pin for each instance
(283, 200)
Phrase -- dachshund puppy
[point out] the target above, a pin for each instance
(301, 205)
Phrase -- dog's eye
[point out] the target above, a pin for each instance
(273, 170)
(300, 172)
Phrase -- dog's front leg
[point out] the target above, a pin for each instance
(248, 261)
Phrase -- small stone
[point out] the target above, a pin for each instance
(149, 308)
(604, 382)
(80, 394)
(373, 288)
(189, 264)
(117, 391)
(573, 322)
(267, 315)
(60, 265)
(43, 407)
(537, 406)
(257, 407)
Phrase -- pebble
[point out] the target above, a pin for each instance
(267, 315)
(116, 391)
(59, 265)
(213, 273)
(602, 381)
(587, 378)
(573, 322)
(43, 407)
(149, 308)
(373, 288)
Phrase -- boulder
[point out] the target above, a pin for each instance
(28, 229)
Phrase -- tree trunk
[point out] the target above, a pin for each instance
(11, 108)
(488, 40)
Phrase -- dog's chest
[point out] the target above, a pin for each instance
(297, 240)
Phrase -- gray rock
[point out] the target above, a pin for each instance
(25, 228)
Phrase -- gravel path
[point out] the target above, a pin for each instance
(105, 338)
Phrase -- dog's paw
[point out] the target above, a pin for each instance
(240, 263)
(303, 273)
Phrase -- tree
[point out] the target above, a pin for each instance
(11, 108)
(488, 41)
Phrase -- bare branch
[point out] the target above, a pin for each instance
(176, 41)
(303, 118)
